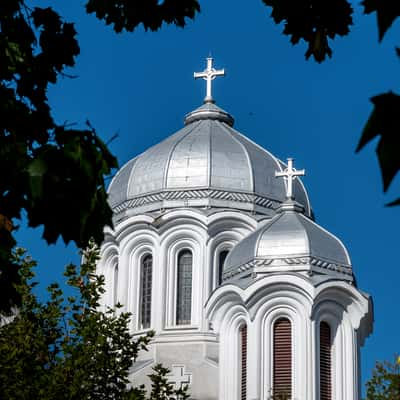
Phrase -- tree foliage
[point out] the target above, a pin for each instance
(66, 348)
(54, 173)
(128, 14)
(319, 22)
(47, 166)
(385, 381)
(313, 21)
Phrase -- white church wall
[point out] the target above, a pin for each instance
(173, 241)
(348, 313)
(133, 248)
(293, 297)
(107, 266)
(229, 357)
(222, 241)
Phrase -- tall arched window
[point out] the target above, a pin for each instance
(282, 375)
(325, 362)
(221, 259)
(243, 361)
(146, 279)
(184, 288)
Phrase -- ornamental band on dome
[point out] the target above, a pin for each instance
(248, 296)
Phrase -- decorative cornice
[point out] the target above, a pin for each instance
(290, 261)
(198, 194)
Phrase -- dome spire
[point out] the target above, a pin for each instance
(209, 74)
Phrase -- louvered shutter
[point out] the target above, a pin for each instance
(282, 376)
(325, 362)
(243, 361)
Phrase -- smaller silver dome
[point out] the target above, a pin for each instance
(290, 241)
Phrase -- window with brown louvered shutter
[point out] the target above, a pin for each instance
(325, 362)
(243, 361)
(282, 375)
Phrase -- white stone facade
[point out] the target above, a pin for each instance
(308, 286)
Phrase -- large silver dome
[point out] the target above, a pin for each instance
(205, 164)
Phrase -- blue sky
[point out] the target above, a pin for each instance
(141, 85)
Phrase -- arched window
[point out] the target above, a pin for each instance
(184, 288)
(221, 259)
(243, 361)
(325, 362)
(146, 278)
(282, 375)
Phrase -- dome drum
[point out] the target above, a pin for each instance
(201, 198)
(309, 265)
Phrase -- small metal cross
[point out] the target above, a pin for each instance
(290, 174)
(209, 74)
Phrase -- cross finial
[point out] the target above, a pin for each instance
(209, 74)
(290, 174)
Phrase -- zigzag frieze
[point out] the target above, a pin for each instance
(195, 194)
(344, 269)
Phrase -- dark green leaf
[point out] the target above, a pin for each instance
(128, 14)
(384, 122)
(394, 203)
(386, 10)
(313, 21)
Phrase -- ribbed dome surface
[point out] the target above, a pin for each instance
(207, 163)
(290, 238)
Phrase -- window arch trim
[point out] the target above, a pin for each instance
(172, 246)
(130, 278)
(266, 320)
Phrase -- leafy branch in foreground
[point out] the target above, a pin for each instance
(313, 21)
(52, 173)
(128, 14)
(385, 381)
(318, 22)
(67, 348)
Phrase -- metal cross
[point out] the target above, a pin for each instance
(209, 74)
(290, 174)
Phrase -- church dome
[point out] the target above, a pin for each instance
(205, 164)
(289, 241)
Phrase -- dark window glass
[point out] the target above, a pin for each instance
(325, 362)
(282, 382)
(243, 361)
(146, 278)
(184, 288)
(221, 260)
(115, 283)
